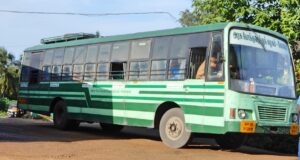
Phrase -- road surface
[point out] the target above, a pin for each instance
(25, 139)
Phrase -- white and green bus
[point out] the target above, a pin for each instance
(150, 79)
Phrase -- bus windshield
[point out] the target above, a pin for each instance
(260, 64)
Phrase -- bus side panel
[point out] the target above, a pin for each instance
(105, 104)
(206, 116)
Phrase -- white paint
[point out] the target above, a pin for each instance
(257, 40)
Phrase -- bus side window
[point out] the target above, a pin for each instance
(35, 67)
(25, 73)
(138, 70)
(118, 70)
(215, 63)
(90, 72)
(102, 71)
(56, 73)
(78, 72)
(34, 74)
(67, 72)
(177, 69)
(158, 70)
(25, 67)
(196, 67)
(46, 73)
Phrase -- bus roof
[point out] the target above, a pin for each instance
(166, 32)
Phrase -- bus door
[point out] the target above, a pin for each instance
(214, 85)
(194, 86)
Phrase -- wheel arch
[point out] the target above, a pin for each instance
(162, 109)
(53, 102)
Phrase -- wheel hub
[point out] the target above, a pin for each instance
(174, 128)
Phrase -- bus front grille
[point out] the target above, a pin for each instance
(272, 113)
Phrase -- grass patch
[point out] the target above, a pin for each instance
(3, 114)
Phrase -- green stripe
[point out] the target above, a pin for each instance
(47, 102)
(161, 99)
(207, 111)
(145, 86)
(206, 129)
(51, 92)
(140, 107)
(139, 122)
(51, 95)
(205, 86)
(102, 86)
(38, 107)
(182, 93)
(121, 105)
(214, 86)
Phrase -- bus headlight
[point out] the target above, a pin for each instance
(242, 114)
(295, 117)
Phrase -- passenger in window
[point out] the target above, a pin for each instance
(174, 69)
(214, 68)
(201, 71)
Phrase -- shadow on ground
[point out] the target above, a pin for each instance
(27, 130)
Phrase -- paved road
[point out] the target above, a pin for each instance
(23, 139)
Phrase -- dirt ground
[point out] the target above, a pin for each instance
(23, 139)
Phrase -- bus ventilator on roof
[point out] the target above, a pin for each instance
(69, 37)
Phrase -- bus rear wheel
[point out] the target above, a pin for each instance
(231, 140)
(111, 127)
(172, 129)
(60, 117)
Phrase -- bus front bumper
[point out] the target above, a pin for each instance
(250, 126)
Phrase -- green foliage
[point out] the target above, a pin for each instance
(4, 103)
(279, 15)
(297, 74)
(9, 75)
(2, 114)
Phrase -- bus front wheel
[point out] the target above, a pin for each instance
(231, 140)
(172, 129)
(60, 117)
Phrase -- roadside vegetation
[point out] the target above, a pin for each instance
(2, 114)
(9, 77)
(4, 103)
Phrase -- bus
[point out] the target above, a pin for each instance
(227, 80)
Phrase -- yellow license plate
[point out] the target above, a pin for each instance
(294, 129)
(247, 126)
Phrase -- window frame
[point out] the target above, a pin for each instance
(166, 70)
(107, 75)
(138, 79)
(207, 76)
(93, 73)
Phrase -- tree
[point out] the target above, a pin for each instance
(278, 15)
(9, 75)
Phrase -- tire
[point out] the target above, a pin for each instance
(60, 117)
(231, 141)
(172, 129)
(111, 127)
